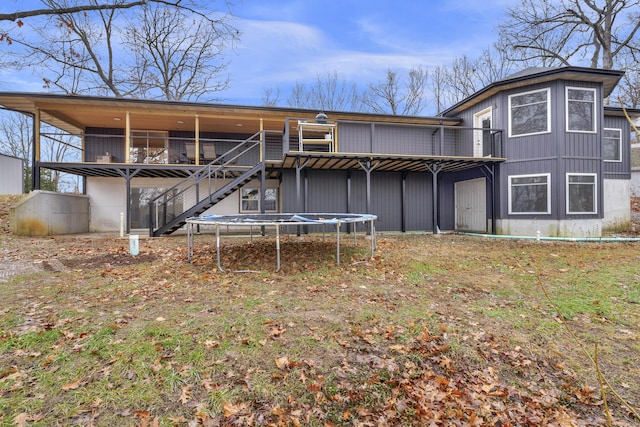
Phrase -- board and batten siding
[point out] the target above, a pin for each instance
(622, 169)
(355, 137)
(327, 191)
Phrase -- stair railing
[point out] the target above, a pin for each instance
(170, 204)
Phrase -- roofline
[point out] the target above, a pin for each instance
(634, 113)
(284, 111)
(521, 80)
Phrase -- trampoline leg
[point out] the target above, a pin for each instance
(373, 239)
(355, 233)
(218, 247)
(338, 243)
(278, 247)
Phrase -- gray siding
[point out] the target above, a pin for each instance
(354, 138)
(556, 153)
(619, 170)
(327, 191)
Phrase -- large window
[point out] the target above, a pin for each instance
(250, 200)
(529, 113)
(148, 146)
(612, 145)
(581, 193)
(581, 110)
(529, 194)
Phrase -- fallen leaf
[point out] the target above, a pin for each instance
(283, 362)
(71, 386)
(185, 395)
(21, 419)
(230, 409)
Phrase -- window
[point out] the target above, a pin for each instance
(250, 200)
(529, 194)
(581, 110)
(611, 145)
(529, 113)
(139, 208)
(148, 146)
(581, 193)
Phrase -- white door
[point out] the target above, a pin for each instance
(482, 133)
(471, 205)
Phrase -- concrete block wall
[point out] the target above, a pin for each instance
(46, 213)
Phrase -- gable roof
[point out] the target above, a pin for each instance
(533, 75)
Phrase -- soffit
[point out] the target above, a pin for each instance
(74, 114)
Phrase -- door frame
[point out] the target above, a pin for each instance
(479, 132)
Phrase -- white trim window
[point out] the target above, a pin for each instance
(581, 109)
(581, 193)
(530, 113)
(530, 194)
(612, 145)
(250, 200)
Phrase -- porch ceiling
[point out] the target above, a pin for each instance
(75, 113)
(381, 162)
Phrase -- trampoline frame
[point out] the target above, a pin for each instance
(277, 221)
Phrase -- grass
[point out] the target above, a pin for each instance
(167, 342)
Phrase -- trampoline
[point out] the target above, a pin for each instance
(277, 221)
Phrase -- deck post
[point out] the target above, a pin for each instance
(435, 170)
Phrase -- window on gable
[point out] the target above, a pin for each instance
(529, 194)
(250, 200)
(581, 193)
(581, 110)
(612, 145)
(529, 113)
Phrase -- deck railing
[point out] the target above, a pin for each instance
(401, 138)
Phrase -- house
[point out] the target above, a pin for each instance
(11, 175)
(537, 151)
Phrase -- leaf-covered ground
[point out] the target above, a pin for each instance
(434, 330)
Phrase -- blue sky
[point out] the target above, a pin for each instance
(289, 41)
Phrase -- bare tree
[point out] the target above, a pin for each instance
(328, 92)
(58, 8)
(17, 135)
(88, 52)
(270, 96)
(178, 57)
(392, 96)
(465, 76)
(570, 32)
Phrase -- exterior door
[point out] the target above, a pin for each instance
(471, 205)
(482, 133)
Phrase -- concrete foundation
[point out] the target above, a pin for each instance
(46, 213)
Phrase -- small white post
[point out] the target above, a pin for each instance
(121, 224)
